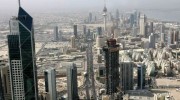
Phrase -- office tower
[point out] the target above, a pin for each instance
(162, 28)
(72, 89)
(143, 25)
(99, 31)
(176, 36)
(89, 32)
(112, 66)
(90, 17)
(22, 57)
(50, 83)
(84, 30)
(117, 15)
(5, 76)
(141, 76)
(1, 89)
(126, 79)
(60, 35)
(134, 31)
(170, 37)
(151, 29)
(132, 18)
(105, 18)
(163, 37)
(152, 41)
(73, 44)
(75, 31)
(56, 37)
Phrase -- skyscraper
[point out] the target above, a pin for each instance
(73, 44)
(50, 83)
(176, 36)
(1, 89)
(72, 89)
(5, 75)
(163, 37)
(126, 79)
(152, 41)
(141, 76)
(90, 17)
(99, 31)
(112, 66)
(105, 18)
(75, 31)
(84, 30)
(22, 57)
(170, 37)
(132, 19)
(56, 37)
(151, 29)
(143, 25)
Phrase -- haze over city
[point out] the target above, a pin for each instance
(89, 50)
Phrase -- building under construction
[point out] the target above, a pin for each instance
(112, 66)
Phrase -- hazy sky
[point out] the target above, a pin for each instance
(68, 5)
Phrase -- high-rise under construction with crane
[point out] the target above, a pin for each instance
(112, 66)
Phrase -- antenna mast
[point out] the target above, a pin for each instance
(19, 1)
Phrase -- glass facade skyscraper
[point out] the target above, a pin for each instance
(22, 58)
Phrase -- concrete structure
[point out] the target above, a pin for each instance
(112, 66)
(72, 89)
(126, 75)
(50, 83)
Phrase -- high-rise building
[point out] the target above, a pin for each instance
(112, 66)
(90, 17)
(142, 25)
(163, 37)
(73, 44)
(56, 37)
(5, 76)
(170, 37)
(162, 29)
(176, 36)
(75, 31)
(126, 79)
(1, 89)
(117, 15)
(141, 76)
(50, 83)
(151, 28)
(72, 89)
(84, 30)
(152, 41)
(132, 19)
(105, 18)
(22, 57)
(99, 31)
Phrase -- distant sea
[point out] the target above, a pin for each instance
(163, 15)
